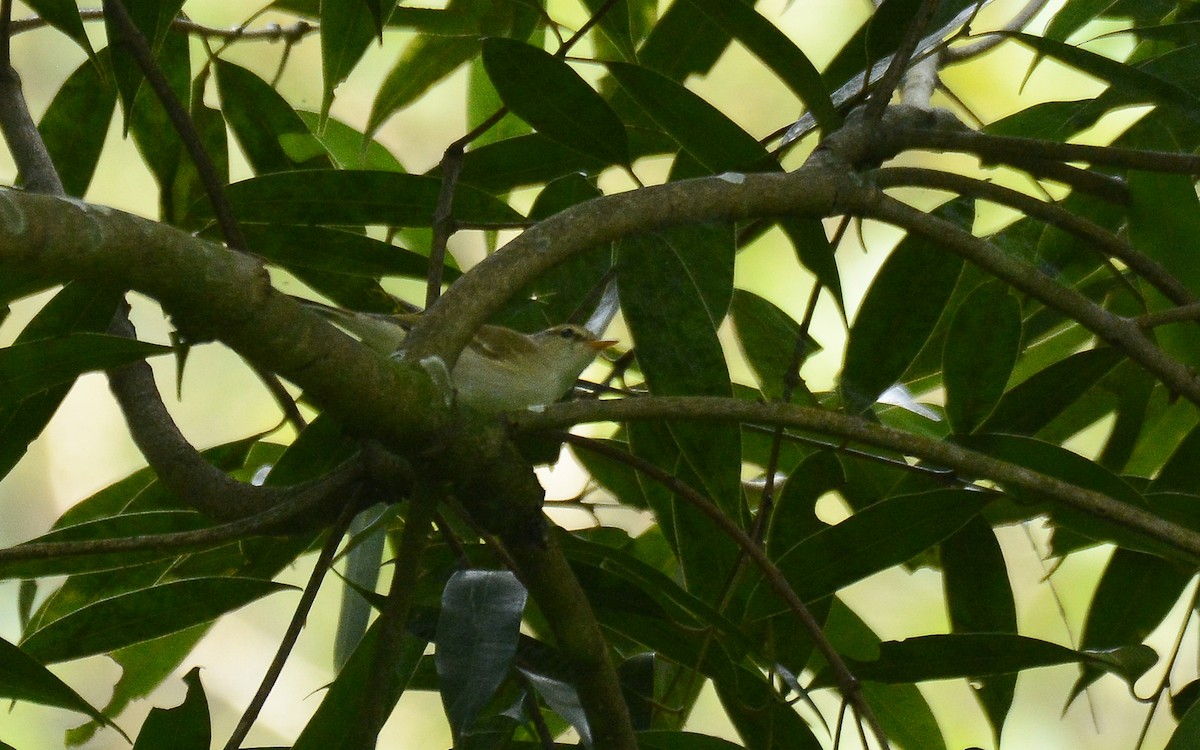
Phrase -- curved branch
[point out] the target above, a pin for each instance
(963, 460)
(993, 38)
(271, 33)
(1104, 241)
(1121, 333)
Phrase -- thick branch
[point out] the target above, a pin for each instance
(963, 460)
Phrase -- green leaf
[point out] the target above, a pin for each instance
(663, 740)
(768, 337)
(335, 251)
(273, 136)
(523, 160)
(327, 729)
(155, 136)
(152, 18)
(1034, 403)
(75, 124)
(476, 641)
(883, 535)
(347, 28)
(349, 148)
(64, 16)
(185, 727)
(777, 52)
(703, 131)
(816, 253)
(143, 614)
(353, 197)
(545, 92)
(684, 41)
(22, 678)
(1132, 83)
(917, 278)
(981, 348)
(943, 657)
(1187, 733)
(129, 526)
(1074, 16)
(979, 598)
(28, 369)
(76, 307)
(425, 61)
(675, 287)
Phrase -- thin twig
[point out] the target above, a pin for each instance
(881, 93)
(443, 221)
(1182, 314)
(993, 38)
(847, 683)
(271, 33)
(292, 634)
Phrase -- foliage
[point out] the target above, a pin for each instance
(1039, 375)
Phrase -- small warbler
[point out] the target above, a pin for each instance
(501, 369)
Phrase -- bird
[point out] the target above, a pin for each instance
(501, 369)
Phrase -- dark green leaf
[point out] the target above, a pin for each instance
(1074, 16)
(185, 727)
(815, 253)
(353, 197)
(981, 348)
(424, 62)
(349, 148)
(768, 337)
(22, 678)
(64, 16)
(476, 641)
(704, 132)
(76, 307)
(327, 729)
(663, 740)
(335, 251)
(524, 160)
(979, 598)
(156, 138)
(1163, 217)
(684, 41)
(271, 133)
(347, 28)
(76, 122)
(546, 93)
(675, 287)
(777, 52)
(130, 526)
(143, 614)
(1034, 403)
(31, 368)
(886, 534)
(918, 278)
(942, 657)
(153, 20)
(1187, 734)
(1132, 83)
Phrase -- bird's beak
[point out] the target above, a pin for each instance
(602, 344)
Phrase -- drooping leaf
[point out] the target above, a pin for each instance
(335, 251)
(141, 615)
(708, 135)
(918, 278)
(76, 122)
(425, 61)
(777, 52)
(327, 729)
(545, 92)
(981, 348)
(347, 28)
(979, 598)
(152, 18)
(64, 16)
(769, 337)
(476, 641)
(22, 678)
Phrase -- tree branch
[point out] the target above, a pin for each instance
(963, 460)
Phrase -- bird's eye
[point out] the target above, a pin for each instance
(568, 333)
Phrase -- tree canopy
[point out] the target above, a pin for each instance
(784, 455)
